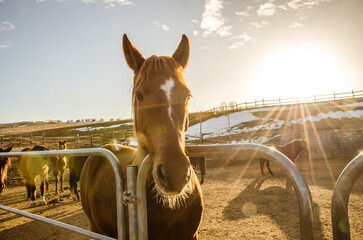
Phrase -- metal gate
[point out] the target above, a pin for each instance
(342, 190)
(137, 201)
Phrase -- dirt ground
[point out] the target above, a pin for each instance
(239, 204)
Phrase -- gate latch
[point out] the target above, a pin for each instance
(128, 197)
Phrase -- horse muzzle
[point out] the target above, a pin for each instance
(171, 183)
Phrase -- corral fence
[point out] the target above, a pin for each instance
(135, 195)
(88, 139)
(289, 101)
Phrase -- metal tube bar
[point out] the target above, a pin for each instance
(131, 175)
(57, 223)
(256, 151)
(120, 209)
(141, 195)
(341, 193)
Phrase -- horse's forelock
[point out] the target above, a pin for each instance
(157, 68)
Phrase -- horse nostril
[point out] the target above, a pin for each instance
(161, 174)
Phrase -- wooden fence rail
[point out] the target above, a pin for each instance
(287, 101)
(84, 140)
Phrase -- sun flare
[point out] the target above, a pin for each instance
(300, 71)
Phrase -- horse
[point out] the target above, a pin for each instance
(32, 166)
(199, 162)
(5, 164)
(291, 149)
(58, 166)
(75, 167)
(174, 197)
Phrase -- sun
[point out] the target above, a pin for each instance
(301, 71)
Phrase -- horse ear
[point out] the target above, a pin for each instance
(8, 149)
(133, 56)
(181, 54)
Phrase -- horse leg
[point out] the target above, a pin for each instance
(42, 191)
(268, 167)
(28, 189)
(32, 192)
(61, 180)
(262, 165)
(55, 173)
(47, 184)
(202, 169)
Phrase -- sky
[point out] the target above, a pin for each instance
(63, 59)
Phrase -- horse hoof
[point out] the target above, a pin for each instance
(32, 204)
(43, 203)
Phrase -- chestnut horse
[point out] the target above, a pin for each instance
(291, 149)
(5, 163)
(174, 196)
(58, 166)
(32, 166)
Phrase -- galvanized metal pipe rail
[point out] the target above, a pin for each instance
(341, 193)
(120, 183)
(255, 151)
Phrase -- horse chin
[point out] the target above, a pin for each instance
(171, 200)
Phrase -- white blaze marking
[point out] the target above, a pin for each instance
(167, 87)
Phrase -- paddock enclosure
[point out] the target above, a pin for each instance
(239, 204)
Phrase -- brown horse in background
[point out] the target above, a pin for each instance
(291, 150)
(5, 164)
(174, 198)
(57, 166)
(32, 166)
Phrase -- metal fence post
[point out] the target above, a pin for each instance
(341, 193)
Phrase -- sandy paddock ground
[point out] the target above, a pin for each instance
(239, 204)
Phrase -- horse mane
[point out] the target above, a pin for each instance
(39, 148)
(163, 66)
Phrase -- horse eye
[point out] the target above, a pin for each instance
(139, 97)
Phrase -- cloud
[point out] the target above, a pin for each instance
(296, 25)
(267, 9)
(6, 26)
(114, 3)
(88, 1)
(4, 46)
(303, 4)
(212, 19)
(195, 21)
(195, 33)
(243, 38)
(243, 14)
(259, 24)
(163, 26)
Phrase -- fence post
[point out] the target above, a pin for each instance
(91, 139)
(246, 105)
(77, 144)
(2, 141)
(229, 128)
(200, 127)
(279, 101)
(43, 138)
(21, 143)
(353, 92)
(334, 95)
(11, 140)
(255, 103)
(31, 140)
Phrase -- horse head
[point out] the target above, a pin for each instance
(160, 100)
(4, 165)
(62, 145)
